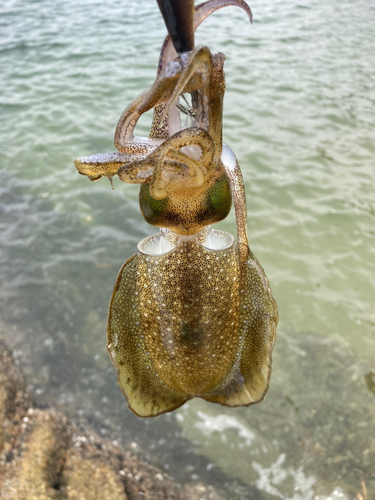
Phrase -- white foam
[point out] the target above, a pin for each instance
(209, 424)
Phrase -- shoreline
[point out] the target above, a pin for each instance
(46, 456)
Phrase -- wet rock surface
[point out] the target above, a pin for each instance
(316, 428)
(46, 456)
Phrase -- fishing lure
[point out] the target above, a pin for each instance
(192, 313)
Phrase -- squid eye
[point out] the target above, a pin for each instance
(179, 19)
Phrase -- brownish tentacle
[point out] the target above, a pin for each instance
(108, 164)
(163, 184)
(166, 181)
(160, 129)
(162, 167)
(216, 100)
(127, 121)
(160, 123)
(199, 64)
(161, 92)
(237, 187)
(202, 11)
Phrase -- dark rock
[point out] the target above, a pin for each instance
(45, 456)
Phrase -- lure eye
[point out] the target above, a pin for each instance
(179, 19)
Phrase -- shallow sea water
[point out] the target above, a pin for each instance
(300, 116)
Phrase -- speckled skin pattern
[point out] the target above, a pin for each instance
(191, 314)
(192, 322)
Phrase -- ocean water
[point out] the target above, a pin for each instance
(300, 115)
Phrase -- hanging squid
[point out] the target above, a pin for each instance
(191, 314)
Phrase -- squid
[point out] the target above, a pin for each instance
(192, 313)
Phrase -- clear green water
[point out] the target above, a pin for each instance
(300, 116)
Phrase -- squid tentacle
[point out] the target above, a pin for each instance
(202, 12)
(173, 156)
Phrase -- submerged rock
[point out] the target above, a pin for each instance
(45, 456)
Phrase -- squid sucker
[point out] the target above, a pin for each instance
(192, 313)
